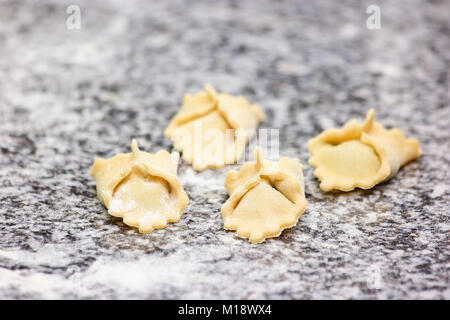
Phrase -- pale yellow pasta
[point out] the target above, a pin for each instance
(141, 188)
(212, 129)
(359, 155)
(265, 198)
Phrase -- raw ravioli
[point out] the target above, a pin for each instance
(265, 198)
(141, 188)
(359, 155)
(212, 129)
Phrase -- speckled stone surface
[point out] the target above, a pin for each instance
(69, 96)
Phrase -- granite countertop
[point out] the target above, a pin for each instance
(69, 96)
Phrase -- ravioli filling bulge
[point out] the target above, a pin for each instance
(256, 219)
(351, 159)
(210, 134)
(143, 201)
(212, 129)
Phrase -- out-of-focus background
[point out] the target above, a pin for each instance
(73, 88)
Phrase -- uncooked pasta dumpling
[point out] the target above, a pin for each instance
(212, 129)
(359, 155)
(266, 197)
(141, 188)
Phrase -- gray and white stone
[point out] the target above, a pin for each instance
(69, 96)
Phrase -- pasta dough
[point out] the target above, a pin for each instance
(265, 198)
(359, 155)
(141, 188)
(212, 129)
